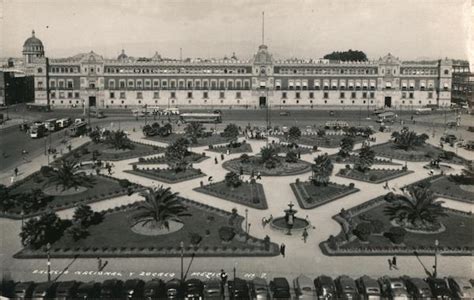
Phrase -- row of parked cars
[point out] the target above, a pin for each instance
(322, 287)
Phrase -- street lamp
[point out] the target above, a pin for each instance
(22, 218)
(181, 245)
(435, 267)
(48, 253)
(246, 220)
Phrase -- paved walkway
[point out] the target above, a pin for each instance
(300, 257)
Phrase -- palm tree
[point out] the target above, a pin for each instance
(406, 139)
(159, 208)
(347, 144)
(417, 207)
(193, 131)
(231, 131)
(366, 158)
(268, 153)
(119, 140)
(294, 134)
(176, 153)
(322, 169)
(67, 176)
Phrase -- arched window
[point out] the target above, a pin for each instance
(40, 70)
(446, 72)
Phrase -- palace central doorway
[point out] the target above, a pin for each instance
(92, 101)
(388, 101)
(263, 101)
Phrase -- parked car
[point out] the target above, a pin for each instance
(45, 290)
(304, 287)
(174, 289)
(369, 288)
(325, 287)
(67, 290)
(439, 288)
(133, 289)
(284, 113)
(89, 290)
(448, 138)
(393, 288)
(213, 290)
(24, 290)
(418, 288)
(346, 288)
(111, 288)
(154, 289)
(461, 288)
(193, 289)
(280, 288)
(238, 289)
(259, 289)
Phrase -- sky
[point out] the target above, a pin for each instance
(409, 29)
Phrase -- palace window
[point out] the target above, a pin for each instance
(52, 84)
(139, 95)
(69, 84)
(53, 95)
(404, 95)
(190, 95)
(173, 94)
(372, 95)
(430, 95)
(311, 95)
(410, 95)
(205, 95)
(122, 95)
(156, 95)
(69, 95)
(364, 95)
(76, 95)
(221, 95)
(353, 95)
(326, 95)
(297, 95)
(147, 83)
(122, 84)
(283, 95)
(156, 83)
(112, 95)
(238, 95)
(342, 95)
(131, 83)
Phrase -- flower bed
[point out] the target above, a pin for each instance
(249, 194)
(373, 175)
(310, 196)
(254, 164)
(444, 187)
(114, 238)
(105, 187)
(204, 141)
(456, 239)
(325, 141)
(352, 159)
(192, 157)
(243, 148)
(167, 175)
(86, 151)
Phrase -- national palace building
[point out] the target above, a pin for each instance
(92, 80)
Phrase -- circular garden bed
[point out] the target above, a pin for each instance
(253, 164)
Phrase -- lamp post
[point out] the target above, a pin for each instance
(48, 253)
(22, 218)
(435, 267)
(181, 245)
(246, 220)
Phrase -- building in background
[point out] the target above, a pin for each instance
(15, 87)
(89, 79)
(463, 84)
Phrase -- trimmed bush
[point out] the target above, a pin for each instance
(378, 226)
(195, 238)
(226, 233)
(397, 235)
(124, 183)
(363, 231)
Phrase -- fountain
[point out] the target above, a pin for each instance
(289, 222)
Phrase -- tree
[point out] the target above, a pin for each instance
(268, 153)
(165, 130)
(322, 169)
(148, 130)
(417, 207)
(38, 232)
(6, 200)
(366, 158)
(76, 231)
(349, 55)
(244, 158)
(33, 200)
(232, 180)
(67, 176)
(95, 135)
(347, 144)
(294, 134)
(176, 153)
(406, 139)
(159, 208)
(231, 131)
(85, 216)
(193, 131)
(291, 157)
(118, 140)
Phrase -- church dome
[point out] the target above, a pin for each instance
(122, 56)
(32, 42)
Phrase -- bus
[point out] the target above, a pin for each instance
(63, 123)
(423, 110)
(78, 129)
(201, 117)
(387, 117)
(37, 131)
(51, 124)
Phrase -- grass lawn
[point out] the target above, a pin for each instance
(167, 175)
(282, 169)
(192, 157)
(373, 175)
(104, 187)
(426, 152)
(84, 152)
(282, 148)
(205, 141)
(114, 238)
(310, 195)
(445, 187)
(457, 236)
(249, 194)
(352, 159)
(243, 148)
(326, 141)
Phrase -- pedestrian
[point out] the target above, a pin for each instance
(228, 152)
(282, 249)
(99, 263)
(215, 160)
(390, 267)
(305, 235)
(386, 185)
(394, 263)
(222, 156)
(16, 171)
(264, 222)
(97, 170)
(252, 174)
(270, 218)
(109, 169)
(209, 179)
(224, 277)
(259, 175)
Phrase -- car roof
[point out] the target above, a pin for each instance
(325, 279)
(280, 281)
(259, 281)
(369, 281)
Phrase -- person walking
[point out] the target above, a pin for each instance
(252, 174)
(259, 175)
(224, 277)
(282, 249)
(305, 235)
(215, 160)
(99, 263)
(222, 156)
(264, 222)
(390, 267)
(16, 171)
(394, 263)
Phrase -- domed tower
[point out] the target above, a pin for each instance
(122, 56)
(32, 48)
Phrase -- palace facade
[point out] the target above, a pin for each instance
(92, 80)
